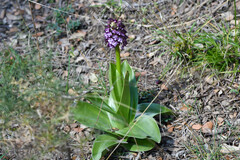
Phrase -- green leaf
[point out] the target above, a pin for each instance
(117, 121)
(146, 127)
(154, 109)
(133, 89)
(99, 101)
(88, 115)
(137, 145)
(124, 105)
(116, 87)
(102, 143)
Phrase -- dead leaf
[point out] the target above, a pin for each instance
(66, 129)
(123, 16)
(220, 92)
(101, 49)
(19, 12)
(220, 121)
(216, 90)
(13, 17)
(13, 29)
(207, 127)
(236, 85)
(154, 42)
(38, 25)
(65, 74)
(64, 42)
(137, 74)
(196, 126)
(174, 10)
(238, 5)
(66, 48)
(131, 37)
(209, 79)
(74, 125)
(38, 6)
(151, 54)
(170, 128)
(78, 129)
(79, 69)
(38, 34)
(233, 21)
(2, 14)
(68, 19)
(80, 5)
(122, 55)
(164, 87)
(72, 92)
(93, 77)
(234, 115)
(134, 154)
(74, 157)
(225, 103)
(132, 20)
(185, 108)
(40, 18)
(227, 157)
(80, 58)
(175, 97)
(143, 73)
(178, 127)
(192, 123)
(228, 16)
(78, 35)
(229, 149)
(199, 45)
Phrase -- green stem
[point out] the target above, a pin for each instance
(118, 60)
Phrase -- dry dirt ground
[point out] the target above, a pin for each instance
(207, 112)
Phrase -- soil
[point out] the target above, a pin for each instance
(207, 111)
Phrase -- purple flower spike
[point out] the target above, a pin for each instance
(115, 34)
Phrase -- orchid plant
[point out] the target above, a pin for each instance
(119, 115)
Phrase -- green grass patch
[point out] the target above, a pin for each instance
(218, 50)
